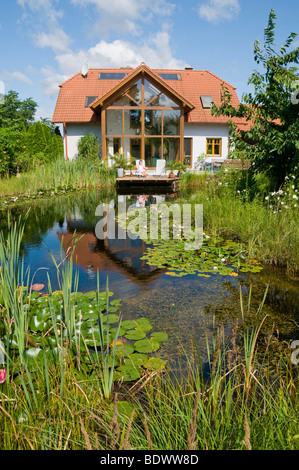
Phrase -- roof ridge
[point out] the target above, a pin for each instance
(69, 79)
(220, 79)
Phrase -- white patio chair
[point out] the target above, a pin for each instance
(160, 167)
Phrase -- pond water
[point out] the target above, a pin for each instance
(186, 308)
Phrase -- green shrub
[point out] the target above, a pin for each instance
(88, 147)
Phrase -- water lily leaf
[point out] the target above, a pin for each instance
(112, 318)
(155, 363)
(128, 324)
(37, 325)
(143, 324)
(90, 295)
(129, 372)
(32, 353)
(159, 336)
(137, 359)
(147, 345)
(125, 408)
(134, 335)
(121, 331)
(123, 350)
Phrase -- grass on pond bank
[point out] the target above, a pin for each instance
(267, 226)
(60, 175)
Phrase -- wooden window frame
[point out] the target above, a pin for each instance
(214, 139)
(146, 107)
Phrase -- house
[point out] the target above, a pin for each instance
(145, 113)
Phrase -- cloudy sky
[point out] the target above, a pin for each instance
(44, 42)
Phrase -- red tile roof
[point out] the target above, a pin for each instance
(70, 106)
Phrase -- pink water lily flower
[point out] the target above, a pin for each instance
(2, 375)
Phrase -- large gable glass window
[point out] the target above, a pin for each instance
(145, 121)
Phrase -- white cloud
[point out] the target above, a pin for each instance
(217, 10)
(51, 82)
(155, 52)
(48, 21)
(125, 15)
(57, 39)
(7, 76)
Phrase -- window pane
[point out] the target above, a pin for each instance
(114, 122)
(132, 119)
(113, 146)
(171, 122)
(124, 101)
(163, 100)
(112, 75)
(135, 150)
(152, 122)
(171, 149)
(217, 148)
(188, 151)
(135, 92)
(170, 76)
(152, 150)
(150, 91)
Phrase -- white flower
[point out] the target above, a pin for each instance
(295, 197)
(267, 198)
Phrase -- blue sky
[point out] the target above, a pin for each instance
(44, 42)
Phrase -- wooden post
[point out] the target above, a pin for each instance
(103, 130)
(182, 119)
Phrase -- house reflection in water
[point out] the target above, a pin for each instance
(117, 255)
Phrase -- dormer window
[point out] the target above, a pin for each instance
(206, 101)
(89, 100)
(112, 75)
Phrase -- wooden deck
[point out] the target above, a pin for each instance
(134, 181)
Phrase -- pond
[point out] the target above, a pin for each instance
(186, 308)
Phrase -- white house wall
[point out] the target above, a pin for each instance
(200, 133)
(74, 134)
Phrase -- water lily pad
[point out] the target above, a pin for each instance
(32, 353)
(123, 350)
(143, 324)
(147, 345)
(155, 363)
(137, 359)
(159, 336)
(128, 324)
(129, 372)
(112, 318)
(134, 335)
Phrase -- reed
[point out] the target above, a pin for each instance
(61, 175)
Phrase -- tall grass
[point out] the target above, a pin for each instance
(59, 175)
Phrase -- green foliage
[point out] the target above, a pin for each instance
(23, 142)
(14, 112)
(88, 148)
(271, 143)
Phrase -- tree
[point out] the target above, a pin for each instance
(14, 112)
(271, 143)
